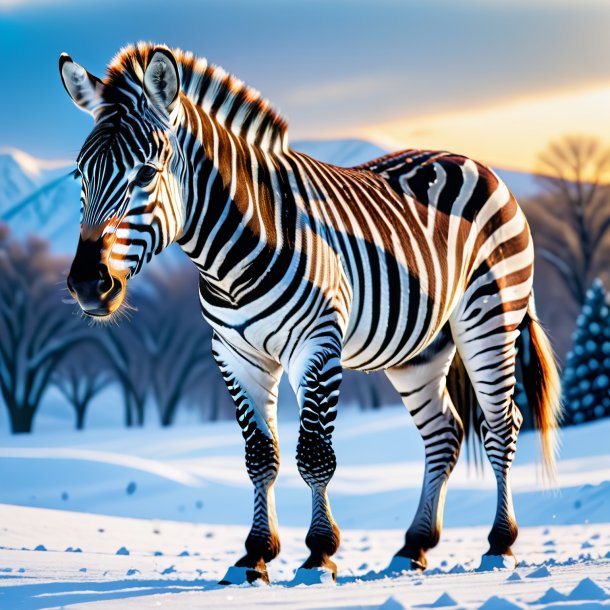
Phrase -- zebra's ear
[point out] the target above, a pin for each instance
(162, 80)
(84, 88)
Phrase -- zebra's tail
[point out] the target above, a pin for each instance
(542, 389)
(542, 386)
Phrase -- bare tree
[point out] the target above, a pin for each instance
(128, 353)
(177, 339)
(36, 330)
(575, 214)
(80, 376)
(207, 393)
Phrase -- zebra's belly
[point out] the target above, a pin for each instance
(391, 322)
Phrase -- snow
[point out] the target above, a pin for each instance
(178, 501)
(31, 166)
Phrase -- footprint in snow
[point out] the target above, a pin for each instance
(541, 572)
(393, 604)
(444, 601)
(588, 589)
(551, 596)
(500, 603)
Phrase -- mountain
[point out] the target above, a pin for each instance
(41, 198)
(345, 153)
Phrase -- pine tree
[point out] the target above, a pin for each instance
(586, 381)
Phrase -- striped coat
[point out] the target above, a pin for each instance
(419, 263)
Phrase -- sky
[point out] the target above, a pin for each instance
(496, 80)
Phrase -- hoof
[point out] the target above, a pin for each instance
(400, 564)
(314, 576)
(240, 576)
(489, 563)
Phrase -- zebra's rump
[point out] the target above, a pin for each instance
(442, 222)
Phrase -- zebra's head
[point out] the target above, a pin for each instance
(131, 167)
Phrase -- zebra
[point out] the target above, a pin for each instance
(418, 263)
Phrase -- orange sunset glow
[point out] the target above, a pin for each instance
(509, 135)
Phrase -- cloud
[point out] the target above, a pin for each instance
(341, 90)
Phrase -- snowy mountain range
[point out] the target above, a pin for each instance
(41, 198)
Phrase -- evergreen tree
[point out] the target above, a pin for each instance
(586, 382)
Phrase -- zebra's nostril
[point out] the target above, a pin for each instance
(105, 282)
(70, 284)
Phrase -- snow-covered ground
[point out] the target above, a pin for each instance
(151, 518)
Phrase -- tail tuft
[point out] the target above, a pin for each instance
(542, 387)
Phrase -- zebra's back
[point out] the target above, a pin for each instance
(418, 228)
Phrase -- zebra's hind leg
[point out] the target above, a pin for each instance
(316, 381)
(254, 391)
(422, 386)
(488, 353)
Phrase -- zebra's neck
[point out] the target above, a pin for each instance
(240, 208)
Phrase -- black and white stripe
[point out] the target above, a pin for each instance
(307, 268)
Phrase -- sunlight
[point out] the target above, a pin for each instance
(510, 135)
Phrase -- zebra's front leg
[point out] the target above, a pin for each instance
(254, 390)
(317, 388)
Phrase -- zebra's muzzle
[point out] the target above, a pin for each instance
(90, 282)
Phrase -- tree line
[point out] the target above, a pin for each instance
(161, 355)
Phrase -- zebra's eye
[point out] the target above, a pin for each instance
(145, 175)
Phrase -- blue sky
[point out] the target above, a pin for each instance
(386, 69)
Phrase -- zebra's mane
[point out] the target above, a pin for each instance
(235, 105)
